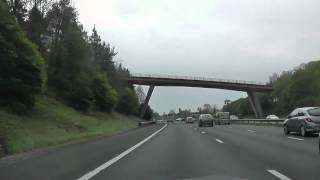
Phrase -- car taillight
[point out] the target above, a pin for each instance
(308, 120)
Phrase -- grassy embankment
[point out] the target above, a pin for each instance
(51, 122)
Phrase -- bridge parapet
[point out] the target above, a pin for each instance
(195, 78)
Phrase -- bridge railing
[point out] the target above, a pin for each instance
(198, 78)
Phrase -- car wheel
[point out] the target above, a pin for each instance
(303, 131)
(286, 130)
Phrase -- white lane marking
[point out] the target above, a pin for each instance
(296, 138)
(202, 132)
(252, 131)
(219, 141)
(278, 175)
(115, 159)
(195, 128)
(229, 127)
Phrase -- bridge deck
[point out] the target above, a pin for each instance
(188, 81)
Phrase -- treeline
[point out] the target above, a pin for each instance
(44, 49)
(296, 88)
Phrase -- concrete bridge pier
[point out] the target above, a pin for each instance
(146, 101)
(255, 104)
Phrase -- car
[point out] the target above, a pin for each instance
(169, 120)
(205, 119)
(189, 120)
(234, 117)
(272, 116)
(305, 120)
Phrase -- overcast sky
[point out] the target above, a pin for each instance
(242, 40)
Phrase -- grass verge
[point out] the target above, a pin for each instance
(51, 123)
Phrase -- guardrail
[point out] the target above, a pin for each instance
(146, 123)
(278, 122)
(198, 78)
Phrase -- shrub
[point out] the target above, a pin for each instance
(22, 73)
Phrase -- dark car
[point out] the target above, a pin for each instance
(205, 119)
(304, 120)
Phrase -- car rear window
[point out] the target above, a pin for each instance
(314, 112)
(207, 116)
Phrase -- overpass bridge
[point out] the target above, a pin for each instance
(251, 87)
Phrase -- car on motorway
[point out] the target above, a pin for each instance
(205, 119)
(234, 117)
(189, 120)
(305, 120)
(272, 117)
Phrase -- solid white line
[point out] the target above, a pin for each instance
(252, 131)
(278, 175)
(219, 141)
(115, 159)
(296, 138)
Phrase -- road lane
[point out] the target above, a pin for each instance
(296, 159)
(70, 161)
(181, 152)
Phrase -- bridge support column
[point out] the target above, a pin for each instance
(146, 101)
(255, 104)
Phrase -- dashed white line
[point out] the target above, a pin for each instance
(278, 175)
(296, 138)
(229, 127)
(117, 158)
(219, 141)
(202, 132)
(252, 131)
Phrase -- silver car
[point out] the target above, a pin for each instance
(205, 119)
(304, 120)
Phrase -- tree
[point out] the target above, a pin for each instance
(140, 94)
(105, 96)
(70, 58)
(128, 102)
(149, 114)
(22, 73)
(35, 27)
(18, 9)
(103, 55)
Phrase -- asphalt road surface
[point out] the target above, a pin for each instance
(177, 151)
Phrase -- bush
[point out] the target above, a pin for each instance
(22, 73)
(105, 97)
(128, 102)
(148, 115)
(78, 93)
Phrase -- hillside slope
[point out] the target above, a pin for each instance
(51, 122)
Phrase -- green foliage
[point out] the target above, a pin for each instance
(51, 122)
(80, 68)
(22, 71)
(297, 88)
(105, 97)
(148, 115)
(128, 102)
(239, 107)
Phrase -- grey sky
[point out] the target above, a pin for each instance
(243, 40)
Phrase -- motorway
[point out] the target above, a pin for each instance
(176, 151)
